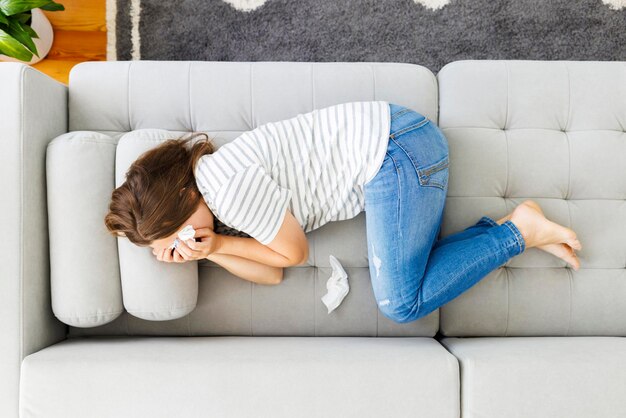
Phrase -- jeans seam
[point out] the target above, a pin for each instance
(435, 184)
(400, 113)
(490, 221)
(397, 169)
(445, 162)
(398, 232)
(407, 155)
(516, 233)
(410, 128)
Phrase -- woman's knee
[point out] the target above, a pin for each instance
(396, 311)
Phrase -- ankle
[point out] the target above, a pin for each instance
(523, 228)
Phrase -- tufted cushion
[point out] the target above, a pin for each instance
(551, 131)
(225, 99)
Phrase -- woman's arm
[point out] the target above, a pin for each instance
(248, 269)
(250, 249)
(288, 248)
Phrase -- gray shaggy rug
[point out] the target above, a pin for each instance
(426, 32)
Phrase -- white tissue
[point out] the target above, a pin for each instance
(186, 233)
(337, 286)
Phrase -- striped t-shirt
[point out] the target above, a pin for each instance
(314, 164)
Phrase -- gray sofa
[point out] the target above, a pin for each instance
(85, 333)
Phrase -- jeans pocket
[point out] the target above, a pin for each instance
(436, 174)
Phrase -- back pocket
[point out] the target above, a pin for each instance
(436, 174)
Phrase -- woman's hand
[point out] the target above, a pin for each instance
(191, 250)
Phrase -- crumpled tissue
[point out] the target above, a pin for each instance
(337, 286)
(186, 233)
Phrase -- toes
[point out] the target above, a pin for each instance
(577, 245)
(569, 237)
(574, 243)
(576, 264)
(567, 254)
(573, 259)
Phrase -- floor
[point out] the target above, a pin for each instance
(79, 35)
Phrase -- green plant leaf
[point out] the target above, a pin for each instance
(22, 17)
(11, 7)
(17, 32)
(4, 19)
(12, 48)
(30, 30)
(53, 7)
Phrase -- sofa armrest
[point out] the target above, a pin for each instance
(33, 110)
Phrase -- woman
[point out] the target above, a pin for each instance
(283, 179)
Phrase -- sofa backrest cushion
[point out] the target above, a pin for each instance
(225, 99)
(553, 132)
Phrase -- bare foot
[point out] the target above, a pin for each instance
(544, 234)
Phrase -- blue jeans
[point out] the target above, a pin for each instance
(412, 272)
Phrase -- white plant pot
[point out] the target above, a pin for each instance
(43, 27)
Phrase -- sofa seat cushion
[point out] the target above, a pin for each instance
(541, 376)
(226, 376)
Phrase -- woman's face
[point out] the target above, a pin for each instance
(201, 218)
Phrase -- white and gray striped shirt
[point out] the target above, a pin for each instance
(314, 164)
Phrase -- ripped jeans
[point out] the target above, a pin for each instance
(412, 272)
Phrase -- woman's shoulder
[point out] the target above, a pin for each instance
(229, 160)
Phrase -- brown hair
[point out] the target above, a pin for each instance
(160, 191)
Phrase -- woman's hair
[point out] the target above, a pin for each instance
(160, 191)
